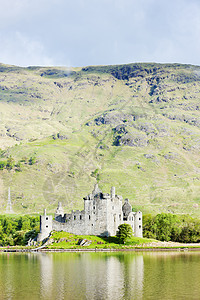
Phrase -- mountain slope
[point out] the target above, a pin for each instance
(134, 126)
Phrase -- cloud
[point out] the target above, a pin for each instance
(87, 32)
(23, 51)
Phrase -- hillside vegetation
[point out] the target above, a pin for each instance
(134, 126)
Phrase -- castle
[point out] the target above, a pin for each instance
(102, 215)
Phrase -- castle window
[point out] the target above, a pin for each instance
(89, 217)
(132, 218)
(46, 218)
(93, 207)
(139, 226)
(74, 217)
(129, 218)
(46, 226)
(139, 219)
(80, 217)
(120, 217)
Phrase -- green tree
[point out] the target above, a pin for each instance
(149, 226)
(166, 224)
(169, 227)
(26, 224)
(30, 235)
(18, 237)
(124, 232)
(8, 240)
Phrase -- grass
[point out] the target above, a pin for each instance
(64, 167)
(64, 240)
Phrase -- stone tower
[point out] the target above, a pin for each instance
(45, 226)
(138, 224)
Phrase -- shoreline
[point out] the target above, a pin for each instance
(121, 250)
(143, 247)
(94, 250)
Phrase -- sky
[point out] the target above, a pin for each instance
(79, 33)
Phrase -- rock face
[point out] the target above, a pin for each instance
(130, 139)
(60, 136)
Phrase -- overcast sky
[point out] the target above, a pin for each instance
(99, 32)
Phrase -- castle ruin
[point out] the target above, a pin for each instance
(102, 215)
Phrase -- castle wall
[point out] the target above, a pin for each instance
(101, 216)
(131, 221)
(91, 221)
(74, 222)
(96, 215)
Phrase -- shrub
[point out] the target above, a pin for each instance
(124, 232)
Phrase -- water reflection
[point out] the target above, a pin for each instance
(91, 276)
(114, 276)
(46, 275)
(96, 276)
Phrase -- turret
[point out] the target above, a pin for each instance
(45, 226)
(138, 224)
(126, 208)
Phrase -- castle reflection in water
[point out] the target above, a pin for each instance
(91, 276)
(116, 275)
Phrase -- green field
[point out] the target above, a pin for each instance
(65, 240)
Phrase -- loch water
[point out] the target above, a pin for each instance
(119, 275)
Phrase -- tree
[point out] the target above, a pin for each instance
(124, 232)
(18, 237)
(149, 226)
(166, 226)
(26, 223)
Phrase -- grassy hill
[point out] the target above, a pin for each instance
(134, 126)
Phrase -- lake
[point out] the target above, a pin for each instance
(121, 275)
